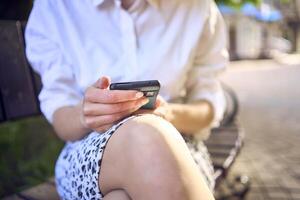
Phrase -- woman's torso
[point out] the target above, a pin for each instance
(149, 41)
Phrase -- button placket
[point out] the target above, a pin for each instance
(129, 41)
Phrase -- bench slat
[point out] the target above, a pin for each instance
(215, 151)
(1, 109)
(224, 145)
(16, 82)
(13, 197)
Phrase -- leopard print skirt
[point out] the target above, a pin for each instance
(78, 166)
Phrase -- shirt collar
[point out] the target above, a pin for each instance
(154, 3)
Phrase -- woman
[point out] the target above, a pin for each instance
(80, 47)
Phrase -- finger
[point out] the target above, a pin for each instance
(160, 113)
(143, 111)
(98, 121)
(157, 112)
(94, 109)
(103, 82)
(103, 128)
(111, 96)
(157, 102)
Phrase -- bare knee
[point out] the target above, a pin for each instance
(150, 147)
(150, 136)
(147, 150)
(149, 127)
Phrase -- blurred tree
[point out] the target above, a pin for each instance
(238, 3)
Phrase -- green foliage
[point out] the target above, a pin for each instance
(285, 1)
(238, 3)
(28, 150)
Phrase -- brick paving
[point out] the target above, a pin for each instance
(269, 96)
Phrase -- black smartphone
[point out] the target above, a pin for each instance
(150, 89)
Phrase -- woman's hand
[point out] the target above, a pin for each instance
(101, 107)
(162, 109)
(187, 118)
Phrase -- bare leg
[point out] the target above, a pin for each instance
(148, 158)
(117, 195)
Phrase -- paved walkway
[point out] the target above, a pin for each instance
(270, 113)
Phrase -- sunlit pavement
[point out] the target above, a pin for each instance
(269, 95)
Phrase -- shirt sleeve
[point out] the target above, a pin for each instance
(47, 58)
(211, 58)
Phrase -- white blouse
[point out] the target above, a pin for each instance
(181, 43)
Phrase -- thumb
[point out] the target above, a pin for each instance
(159, 101)
(103, 82)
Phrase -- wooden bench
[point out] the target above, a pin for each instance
(19, 87)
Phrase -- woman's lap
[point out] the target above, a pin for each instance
(78, 166)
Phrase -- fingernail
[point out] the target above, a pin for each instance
(139, 94)
(145, 101)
